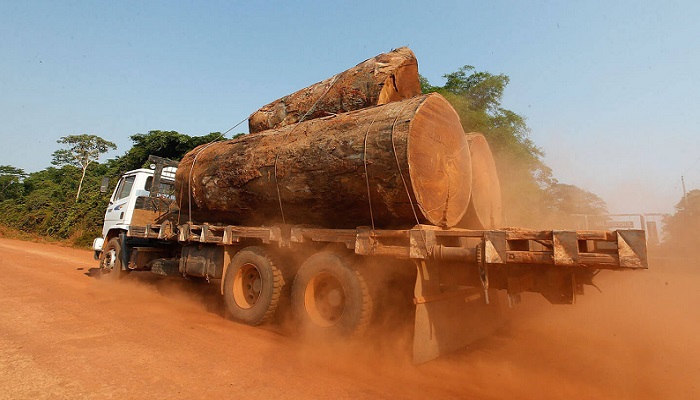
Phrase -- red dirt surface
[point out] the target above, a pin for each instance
(64, 334)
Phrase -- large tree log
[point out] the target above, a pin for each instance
(484, 210)
(316, 170)
(387, 77)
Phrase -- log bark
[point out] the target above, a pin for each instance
(485, 208)
(316, 170)
(387, 77)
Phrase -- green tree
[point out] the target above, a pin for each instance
(571, 199)
(43, 202)
(48, 206)
(167, 144)
(81, 152)
(10, 182)
(566, 203)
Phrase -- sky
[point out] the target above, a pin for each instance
(610, 90)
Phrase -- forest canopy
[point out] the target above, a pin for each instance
(45, 203)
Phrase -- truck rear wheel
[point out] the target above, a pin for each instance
(111, 261)
(252, 286)
(330, 297)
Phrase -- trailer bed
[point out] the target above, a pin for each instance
(620, 249)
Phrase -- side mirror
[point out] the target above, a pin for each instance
(104, 185)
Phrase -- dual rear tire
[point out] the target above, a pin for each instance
(329, 296)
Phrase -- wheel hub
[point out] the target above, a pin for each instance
(109, 260)
(247, 286)
(325, 299)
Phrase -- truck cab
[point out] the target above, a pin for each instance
(133, 187)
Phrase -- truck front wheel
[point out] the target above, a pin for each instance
(111, 262)
(330, 297)
(252, 286)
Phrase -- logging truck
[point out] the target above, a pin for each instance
(326, 273)
(338, 190)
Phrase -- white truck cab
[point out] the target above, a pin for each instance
(131, 186)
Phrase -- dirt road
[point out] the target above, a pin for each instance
(64, 334)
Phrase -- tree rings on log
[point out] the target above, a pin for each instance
(385, 78)
(485, 209)
(414, 152)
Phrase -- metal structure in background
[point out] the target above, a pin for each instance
(651, 223)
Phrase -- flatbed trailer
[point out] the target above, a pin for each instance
(454, 268)
(621, 249)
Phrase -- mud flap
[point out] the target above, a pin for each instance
(448, 319)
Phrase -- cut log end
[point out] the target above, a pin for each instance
(439, 160)
(485, 207)
(401, 85)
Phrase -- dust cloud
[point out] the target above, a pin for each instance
(638, 339)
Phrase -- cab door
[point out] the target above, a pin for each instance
(117, 209)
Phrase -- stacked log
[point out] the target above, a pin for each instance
(385, 78)
(485, 209)
(390, 166)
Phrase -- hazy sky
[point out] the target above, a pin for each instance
(611, 90)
